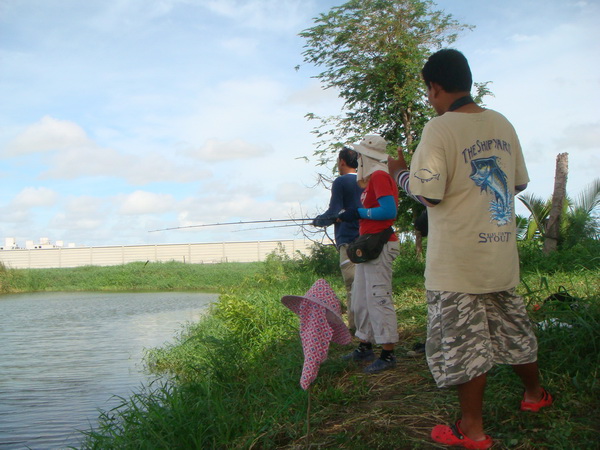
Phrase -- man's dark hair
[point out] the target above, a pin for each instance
(450, 69)
(350, 157)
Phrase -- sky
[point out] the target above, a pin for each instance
(121, 117)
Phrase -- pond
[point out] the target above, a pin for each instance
(65, 356)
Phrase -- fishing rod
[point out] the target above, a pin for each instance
(234, 223)
(283, 226)
(268, 228)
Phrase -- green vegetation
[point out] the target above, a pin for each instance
(578, 221)
(234, 376)
(170, 276)
(371, 53)
(232, 379)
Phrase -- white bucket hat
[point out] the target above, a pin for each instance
(373, 155)
(373, 146)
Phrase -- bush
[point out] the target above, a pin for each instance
(324, 260)
(237, 375)
(4, 278)
(582, 255)
(408, 262)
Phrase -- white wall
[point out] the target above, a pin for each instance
(112, 256)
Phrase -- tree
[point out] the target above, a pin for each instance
(539, 210)
(558, 197)
(578, 223)
(372, 53)
(581, 222)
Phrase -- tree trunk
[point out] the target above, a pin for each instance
(558, 197)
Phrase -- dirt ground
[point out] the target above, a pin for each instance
(396, 413)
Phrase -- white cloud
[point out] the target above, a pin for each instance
(27, 205)
(12, 216)
(46, 135)
(143, 202)
(229, 203)
(216, 150)
(251, 109)
(240, 46)
(280, 15)
(86, 205)
(585, 136)
(90, 160)
(524, 38)
(129, 16)
(153, 167)
(93, 161)
(70, 154)
(293, 193)
(82, 213)
(35, 197)
(313, 94)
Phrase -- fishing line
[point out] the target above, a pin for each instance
(233, 223)
(268, 228)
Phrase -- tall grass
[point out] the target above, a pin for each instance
(236, 372)
(569, 359)
(137, 276)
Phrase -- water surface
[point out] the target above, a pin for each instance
(64, 356)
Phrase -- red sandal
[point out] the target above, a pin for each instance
(453, 435)
(546, 400)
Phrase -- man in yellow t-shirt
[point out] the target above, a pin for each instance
(467, 169)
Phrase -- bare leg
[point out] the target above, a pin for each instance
(470, 396)
(530, 376)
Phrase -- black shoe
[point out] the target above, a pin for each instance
(357, 355)
(380, 365)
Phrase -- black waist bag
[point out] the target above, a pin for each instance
(368, 246)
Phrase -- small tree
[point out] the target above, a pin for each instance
(578, 223)
(581, 221)
(372, 53)
(539, 210)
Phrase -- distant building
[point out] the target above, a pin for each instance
(44, 242)
(10, 244)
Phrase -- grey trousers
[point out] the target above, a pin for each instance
(347, 268)
(372, 304)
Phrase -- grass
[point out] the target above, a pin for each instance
(138, 276)
(233, 378)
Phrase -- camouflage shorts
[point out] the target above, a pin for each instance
(467, 334)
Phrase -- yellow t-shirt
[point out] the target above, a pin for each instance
(472, 163)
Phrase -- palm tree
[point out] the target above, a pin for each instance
(579, 218)
(540, 210)
(582, 221)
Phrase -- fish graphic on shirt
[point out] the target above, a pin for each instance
(487, 174)
(426, 175)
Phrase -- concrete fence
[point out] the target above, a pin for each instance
(116, 255)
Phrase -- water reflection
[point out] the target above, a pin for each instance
(63, 356)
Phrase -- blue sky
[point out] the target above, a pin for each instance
(123, 116)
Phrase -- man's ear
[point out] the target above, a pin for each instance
(436, 89)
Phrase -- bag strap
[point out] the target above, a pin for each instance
(387, 233)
